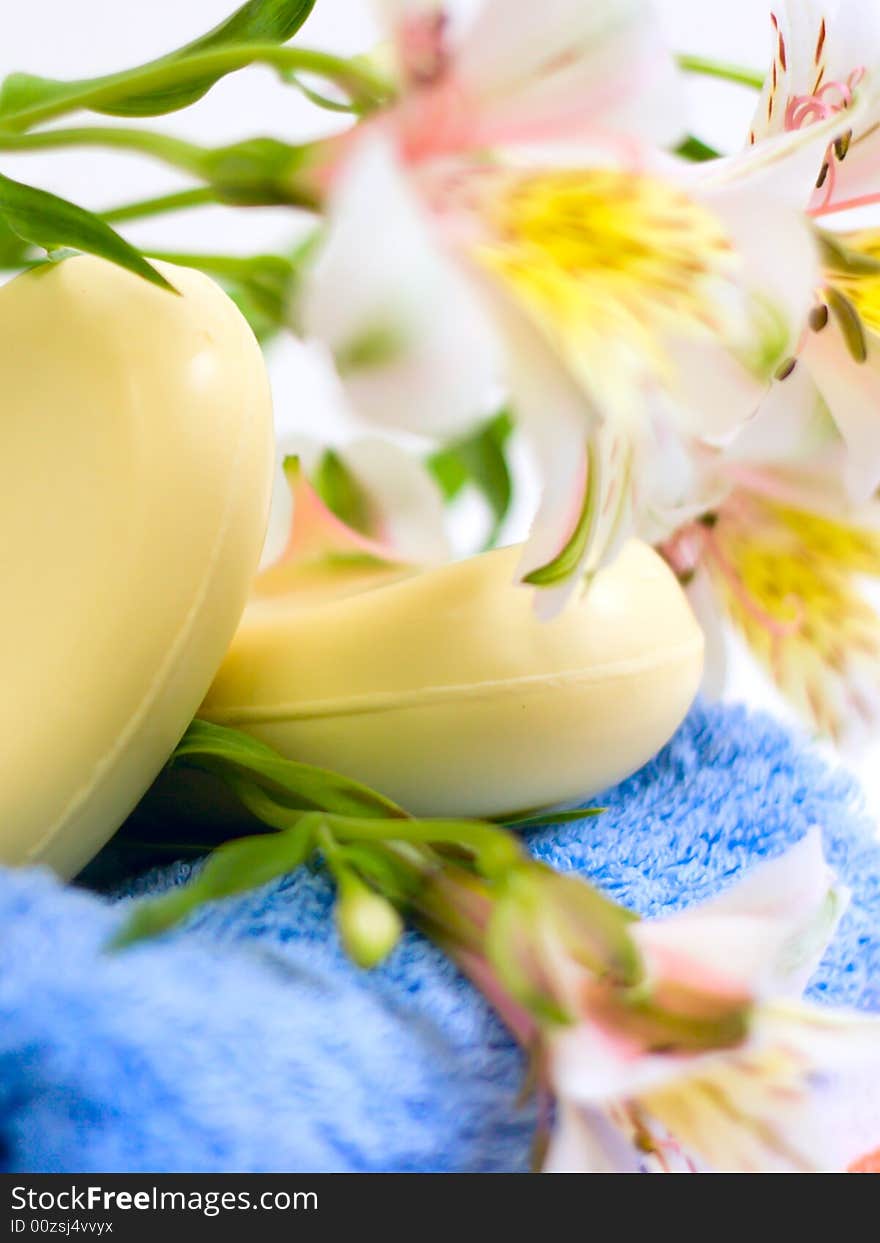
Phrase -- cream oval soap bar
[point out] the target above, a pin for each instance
(134, 487)
(444, 691)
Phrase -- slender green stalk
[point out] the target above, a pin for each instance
(364, 86)
(164, 147)
(223, 265)
(495, 850)
(178, 200)
(719, 69)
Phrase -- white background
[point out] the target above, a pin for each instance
(78, 38)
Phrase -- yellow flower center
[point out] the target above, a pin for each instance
(605, 261)
(853, 274)
(789, 580)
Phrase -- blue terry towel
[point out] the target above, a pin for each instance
(247, 1042)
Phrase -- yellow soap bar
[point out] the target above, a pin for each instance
(135, 475)
(444, 691)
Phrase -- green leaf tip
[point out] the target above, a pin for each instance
(45, 220)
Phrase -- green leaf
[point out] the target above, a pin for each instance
(258, 22)
(481, 460)
(341, 493)
(216, 749)
(13, 248)
(233, 868)
(553, 817)
(695, 150)
(361, 833)
(46, 220)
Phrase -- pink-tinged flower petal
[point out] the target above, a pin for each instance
(408, 334)
(591, 1067)
(799, 902)
(396, 14)
(851, 391)
(418, 29)
(719, 955)
(316, 534)
(790, 888)
(764, 936)
(323, 558)
(402, 506)
(567, 67)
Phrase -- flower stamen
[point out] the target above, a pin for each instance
(824, 102)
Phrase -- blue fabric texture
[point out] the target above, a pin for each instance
(247, 1042)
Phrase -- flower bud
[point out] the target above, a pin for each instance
(369, 926)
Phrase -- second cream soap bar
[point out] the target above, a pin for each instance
(444, 691)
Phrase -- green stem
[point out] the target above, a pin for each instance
(495, 850)
(179, 200)
(719, 69)
(365, 87)
(232, 266)
(173, 151)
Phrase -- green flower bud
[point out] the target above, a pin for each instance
(368, 924)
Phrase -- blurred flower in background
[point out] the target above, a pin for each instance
(674, 1045)
(532, 243)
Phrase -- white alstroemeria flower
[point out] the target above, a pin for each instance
(826, 65)
(840, 356)
(601, 296)
(782, 557)
(771, 1105)
(512, 75)
(787, 1095)
(824, 53)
